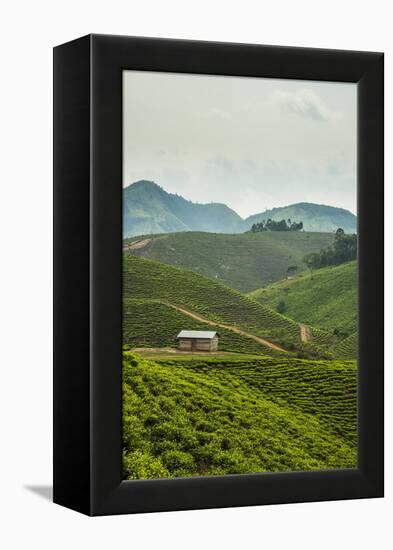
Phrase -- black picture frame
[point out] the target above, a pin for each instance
(87, 273)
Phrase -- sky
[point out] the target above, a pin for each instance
(251, 143)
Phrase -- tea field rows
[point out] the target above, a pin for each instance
(325, 298)
(244, 261)
(149, 280)
(184, 418)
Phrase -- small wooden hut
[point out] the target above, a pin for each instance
(197, 340)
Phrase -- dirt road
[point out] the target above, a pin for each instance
(137, 244)
(305, 333)
(237, 330)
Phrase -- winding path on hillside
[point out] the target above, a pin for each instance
(237, 330)
(135, 245)
(305, 333)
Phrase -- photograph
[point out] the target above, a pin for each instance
(239, 293)
(194, 273)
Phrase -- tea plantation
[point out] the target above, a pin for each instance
(221, 416)
(244, 261)
(326, 299)
(347, 348)
(152, 324)
(148, 280)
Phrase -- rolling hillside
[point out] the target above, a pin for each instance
(347, 348)
(315, 217)
(229, 417)
(149, 280)
(153, 324)
(243, 262)
(163, 291)
(327, 299)
(148, 209)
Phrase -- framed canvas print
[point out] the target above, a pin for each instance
(218, 275)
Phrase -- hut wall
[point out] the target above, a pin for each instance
(198, 344)
(202, 345)
(214, 344)
(185, 344)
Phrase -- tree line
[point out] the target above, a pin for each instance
(344, 249)
(272, 225)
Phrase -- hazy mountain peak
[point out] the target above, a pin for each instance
(305, 205)
(145, 185)
(315, 217)
(148, 208)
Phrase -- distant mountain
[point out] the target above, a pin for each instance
(315, 217)
(148, 209)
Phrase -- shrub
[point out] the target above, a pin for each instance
(281, 307)
(177, 460)
(142, 465)
(264, 414)
(151, 420)
(204, 426)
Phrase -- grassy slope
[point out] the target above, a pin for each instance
(327, 299)
(348, 348)
(149, 280)
(155, 325)
(244, 262)
(189, 418)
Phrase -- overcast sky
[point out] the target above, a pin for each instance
(251, 143)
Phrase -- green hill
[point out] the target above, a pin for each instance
(153, 292)
(149, 280)
(229, 417)
(148, 208)
(153, 324)
(315, 217)
(244, 262)
(347, 348)
(326, 299)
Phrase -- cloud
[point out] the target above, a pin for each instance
(217, 114)
(305, 103)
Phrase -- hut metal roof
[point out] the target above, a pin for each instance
(205, 334)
